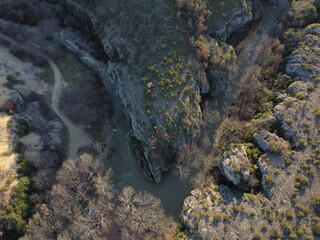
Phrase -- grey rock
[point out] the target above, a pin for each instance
(222, 23)
(296, 87)
(265, 121)
(235, 165)
(263, 140)
(14, 96)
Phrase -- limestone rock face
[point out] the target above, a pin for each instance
(265, 121)
(235, 165)
(268, 142)
(227, 17)
(207, 212)
(289, 167)
(156, 75)
(297, 113)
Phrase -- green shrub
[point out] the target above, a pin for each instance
(289, 215)
(316, 229)
(227, 218)
(287, 161)
(181, 236)
(269, 180)
(275, 234)
(310, 87)
(236, 208)
(9, 123)
(17, 212)
(301, 210)
(303, 142)
(22, 127)
(315, 202)
(217, 217)
(264, 228)
(300, 232)
(257, 236)
(302, 180)
(274, 148)
(293, 236)
(270, 219)
(286, 227)
(18, 147)
(24, 167)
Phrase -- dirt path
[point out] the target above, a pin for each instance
(77, 137)
(7, 158)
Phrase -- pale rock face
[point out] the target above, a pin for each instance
(135, 53)
(235, 165)
(227, 18)
(263, 140)
(298, 117)
(265, 121)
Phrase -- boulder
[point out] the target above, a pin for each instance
(265, 121)
(235, 165)
(263, 140)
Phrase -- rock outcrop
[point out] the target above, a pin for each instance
(228, 17)
(235, 165)
(289, 168)
(156, 74)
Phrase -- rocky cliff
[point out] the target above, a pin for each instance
(288, 206)
(154, 67)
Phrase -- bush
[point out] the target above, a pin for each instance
(9, 123)
(302, 180)
(18, 147)
(315, 202)
(16, 214)
(22, 127)
(301, 210)
(291, 38)
(236, 208)
(24, 168)
(257, 236)
(316, 229)
(286, 227)
(302, 13)
(300, 232)
(269, 180)
(289, 215)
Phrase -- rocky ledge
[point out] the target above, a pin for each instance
(288, 207)
(155, 71)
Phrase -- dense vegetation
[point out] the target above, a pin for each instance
(14, 215)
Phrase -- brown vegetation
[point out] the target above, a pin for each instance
(84, 205)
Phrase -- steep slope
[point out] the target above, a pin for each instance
(289, 208)
(156, 73)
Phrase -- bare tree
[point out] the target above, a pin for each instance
(140, 216)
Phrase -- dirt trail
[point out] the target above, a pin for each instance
(7, 158)
(77, 137)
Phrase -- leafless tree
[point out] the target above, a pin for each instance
(140, 216)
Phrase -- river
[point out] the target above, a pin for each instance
(127, 172)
